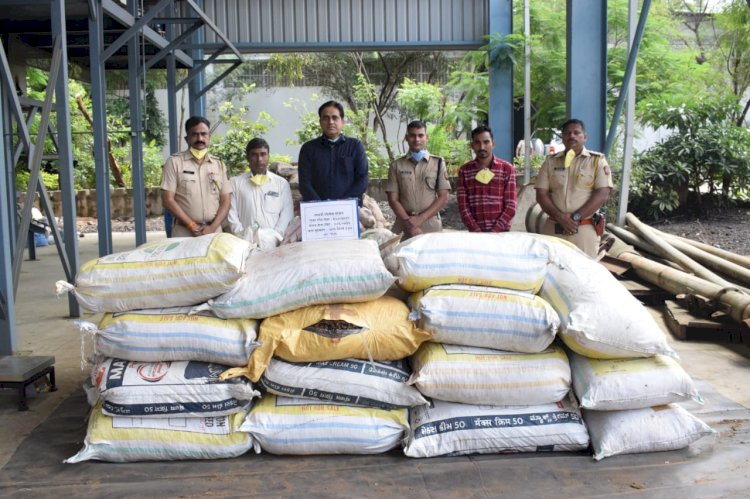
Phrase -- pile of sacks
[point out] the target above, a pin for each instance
(498, 382)
(502, 337)
(154, 387)
(625, 377)
(332, 348)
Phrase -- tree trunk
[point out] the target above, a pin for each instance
(113, 166)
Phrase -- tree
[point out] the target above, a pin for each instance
(705, 150)
(429, 103)
(733, 51)
(231, 146)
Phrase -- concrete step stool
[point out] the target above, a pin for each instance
(20, 371)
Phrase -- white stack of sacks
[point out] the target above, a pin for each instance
(479, 395)
(625, 376)
(496, 381)
(155, 387)
(331, 349)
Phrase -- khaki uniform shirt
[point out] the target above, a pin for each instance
(569, 188)
(197, 187)
(417, 186)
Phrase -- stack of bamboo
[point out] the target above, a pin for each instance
(685, 267)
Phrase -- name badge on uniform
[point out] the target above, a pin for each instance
(273, 194)
(484, 176)
(188, 172)
(405, 172)
(559, 168)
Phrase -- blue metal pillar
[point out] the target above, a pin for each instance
(501, 83)
(197, 103)
(99, 117)
(8, 157)
(65, 151)
(135, 70)
(586, 36)
(174, 125)
(7, 221)
(629, 72)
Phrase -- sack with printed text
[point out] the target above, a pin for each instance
(167, 389)
(347, 381)
(121, 439)
(447, 428)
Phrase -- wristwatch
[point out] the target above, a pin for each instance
(576, 217)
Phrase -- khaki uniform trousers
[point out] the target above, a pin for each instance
(586, 239)
(432, 224)
(179, 230)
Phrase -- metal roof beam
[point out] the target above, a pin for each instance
(214, 28)
(123, 17)
(134, 28)
(173, 45)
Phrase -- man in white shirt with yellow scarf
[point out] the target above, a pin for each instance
(260, 198)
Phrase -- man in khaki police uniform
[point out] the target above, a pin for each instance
(194, 184)
(417, 186)
(571, 186)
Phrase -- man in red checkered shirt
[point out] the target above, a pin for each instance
(486, 187)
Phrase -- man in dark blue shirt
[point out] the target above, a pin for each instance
(332, 166)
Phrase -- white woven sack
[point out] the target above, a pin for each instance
(167, 389)
(168, 334)
(125, 439)
(175, 272)
(471, 375)
(509, 260)
(284, 425)
(618, 384)
(350, 381)
(487, 317)
(447, 428)
(653, 429)
(296, 275)
(600, 318)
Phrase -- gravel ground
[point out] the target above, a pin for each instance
(728, 230)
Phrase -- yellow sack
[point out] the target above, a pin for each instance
(124, 439)
(384, 333)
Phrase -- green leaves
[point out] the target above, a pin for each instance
(239, 131)
(707, 154)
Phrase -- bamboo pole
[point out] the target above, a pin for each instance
(734, 302)
(741, 260)
(719, 264)
(631, 239)
(670, 253)
(729, 269)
